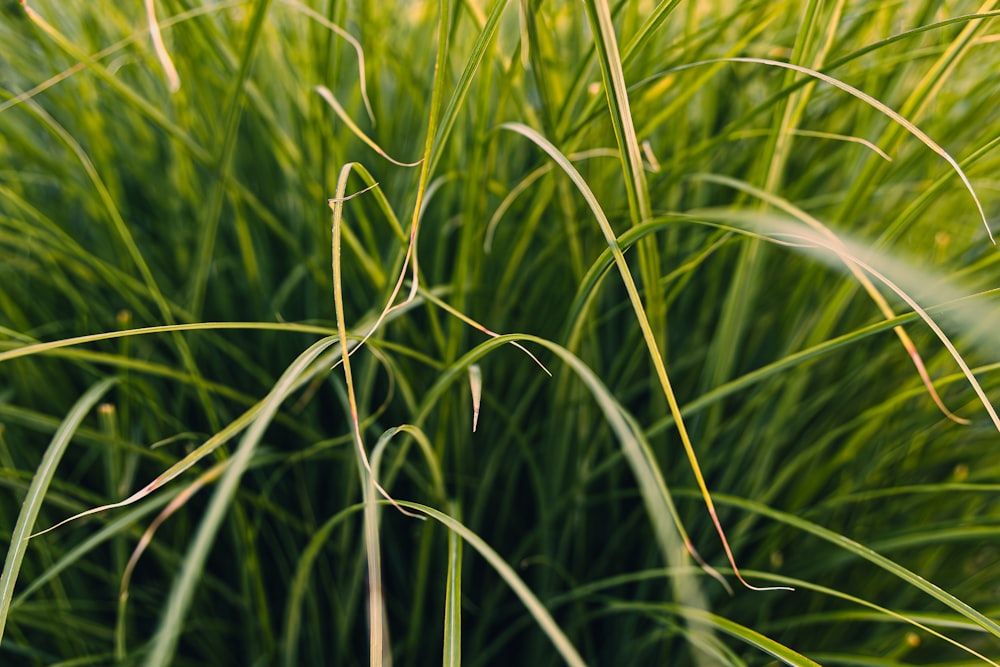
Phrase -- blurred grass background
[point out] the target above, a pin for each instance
(127, 202)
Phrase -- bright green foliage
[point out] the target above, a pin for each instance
(636, 294)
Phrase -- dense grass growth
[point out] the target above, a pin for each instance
(722, 241)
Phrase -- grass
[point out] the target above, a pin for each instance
(646, 305)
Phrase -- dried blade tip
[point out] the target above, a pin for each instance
(476, 385)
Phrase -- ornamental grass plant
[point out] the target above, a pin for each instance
(494, 332)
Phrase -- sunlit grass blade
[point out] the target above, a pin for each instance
(640, 313)
(325, 93)
(832, 136)
(350, 39)
(875, 104)
(161, 50)
(854, 255)
(863, 279)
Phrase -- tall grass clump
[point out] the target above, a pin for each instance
(608, 333)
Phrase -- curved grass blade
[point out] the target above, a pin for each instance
(113, 528)
(325, 93)
(905, 618)
(640, 313)
(337, 206)
(816, 134)
(43, 348)
(599, 269)
(791, 234)
(175, 504)
(890, 566)
(866, 283)
(733, 629)
(33, 500)
(870, 101)
(525, 183)
(219, 438)
(476, 325)
(378, 628)
(162, 55)
(182, 592)
(510, 577)
(908, 618)
(347, 37)
(976, 386)
(424, 444)
(636, 449)
(439, 125)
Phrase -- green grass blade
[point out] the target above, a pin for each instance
(299, 586)
(32, 503)
(461, 93)
(885, 564)
(182, 592)
(510, 577)
(453, 603)
(224, 157)
(746, 635)
(640, 314)
(875, 104)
